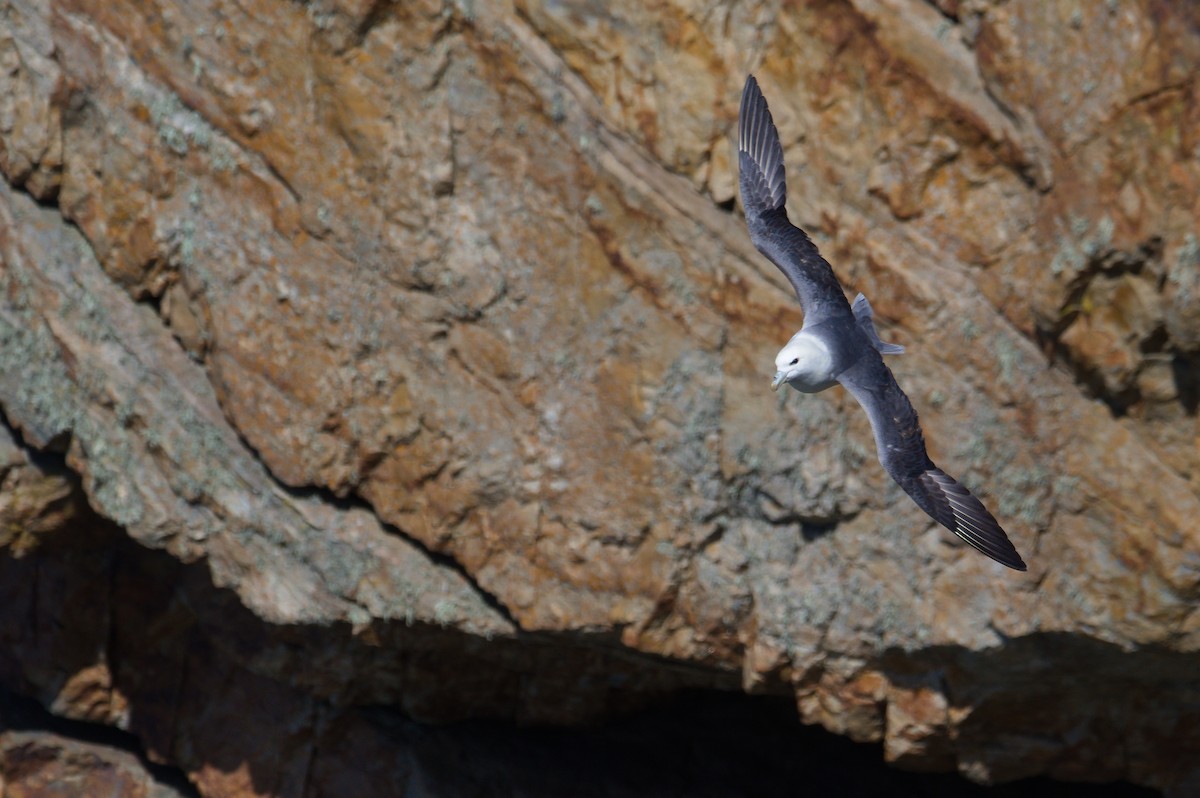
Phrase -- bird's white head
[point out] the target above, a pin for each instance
(805, 364)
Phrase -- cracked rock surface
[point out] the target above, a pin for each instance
(415, 354)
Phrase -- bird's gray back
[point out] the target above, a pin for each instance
(845, 339)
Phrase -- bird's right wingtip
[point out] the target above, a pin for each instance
(764, 186)
(750, 93)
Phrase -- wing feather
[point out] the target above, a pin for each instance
(901, 446)
(764, 194)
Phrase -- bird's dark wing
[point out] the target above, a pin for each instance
(902, 453)
(764, 192)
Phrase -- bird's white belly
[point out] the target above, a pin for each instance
(813, 370)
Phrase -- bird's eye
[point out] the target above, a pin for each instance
(795, 360)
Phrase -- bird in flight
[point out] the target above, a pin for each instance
(838, 342)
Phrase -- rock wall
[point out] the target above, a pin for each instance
(416, 355)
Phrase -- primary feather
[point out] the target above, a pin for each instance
(764, 192)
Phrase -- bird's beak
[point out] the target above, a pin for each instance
(780, 379)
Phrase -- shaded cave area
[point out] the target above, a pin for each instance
(697, 743)
(97, 632)
(700, 743)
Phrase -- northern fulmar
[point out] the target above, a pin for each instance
(838, 342)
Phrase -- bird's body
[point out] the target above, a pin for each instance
(838, 343)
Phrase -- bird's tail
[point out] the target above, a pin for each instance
(866, 319)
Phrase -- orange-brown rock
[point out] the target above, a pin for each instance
(429, 332)
(42, 765)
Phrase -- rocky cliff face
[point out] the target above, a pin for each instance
(415, 354)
